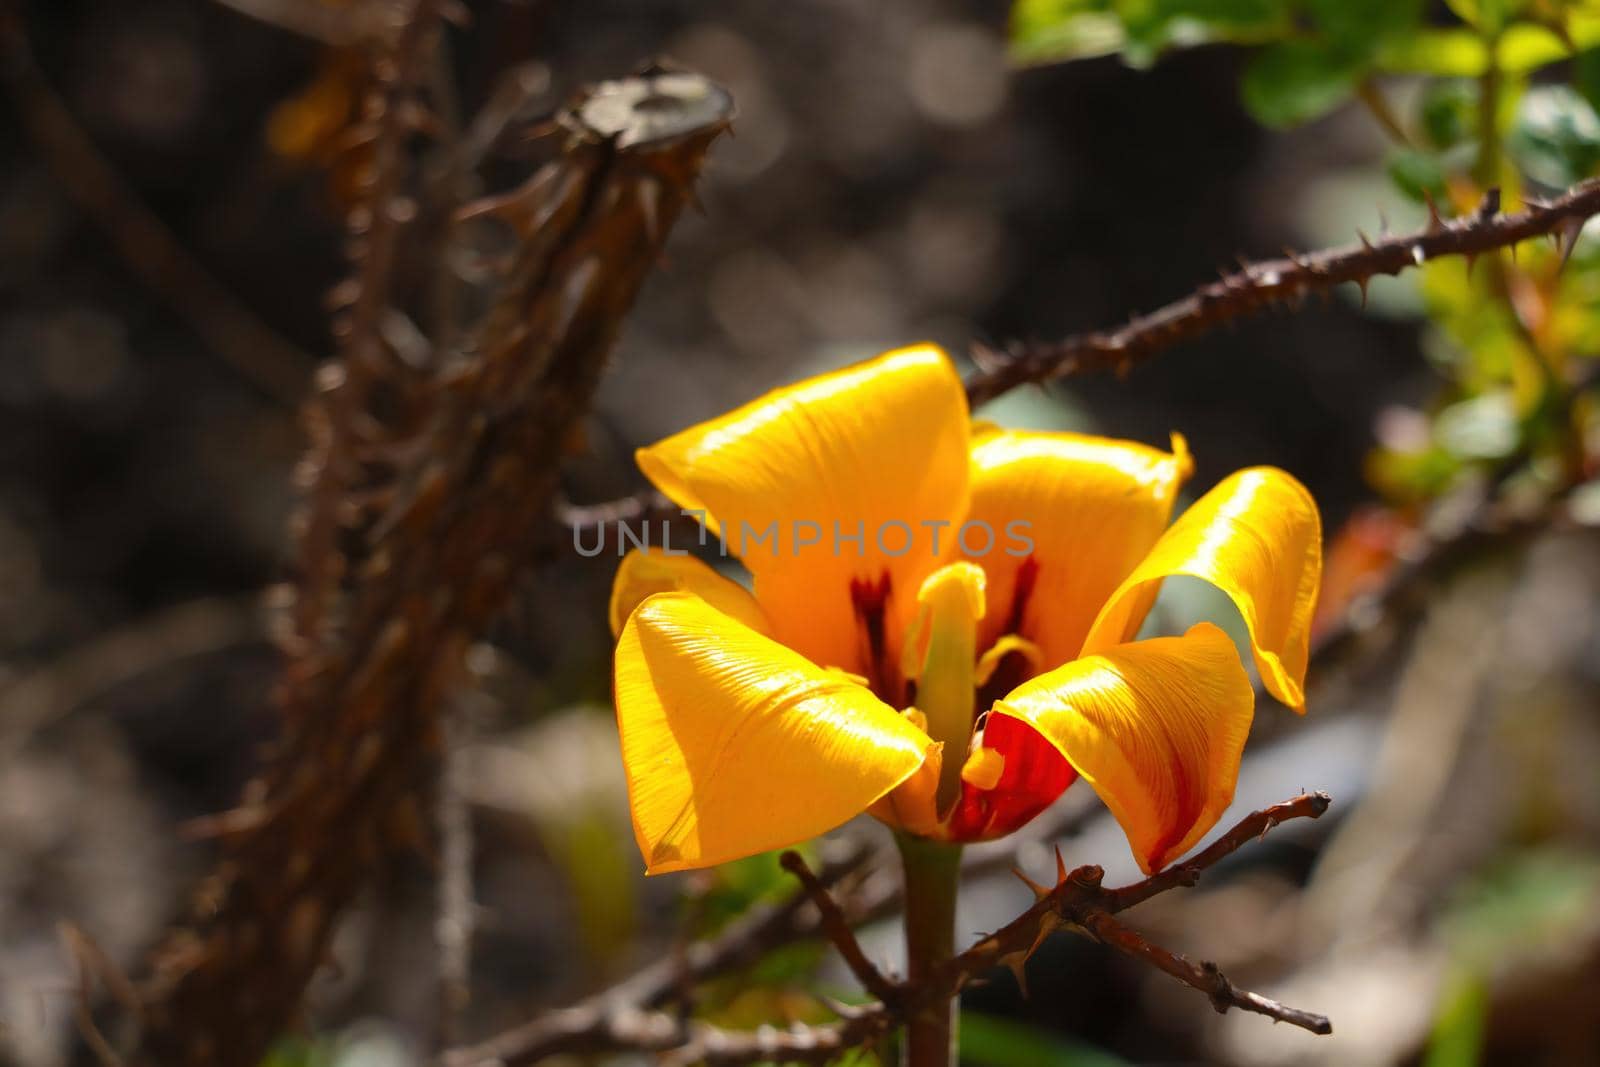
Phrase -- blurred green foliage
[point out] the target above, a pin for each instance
(987, 1041)
(1471, 96)
(1523, 907)
(1480, 94)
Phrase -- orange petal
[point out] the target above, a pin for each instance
(878, 449)
(1257, 537)
(734, 745)
(1091, 507)
(645, 572)
(1155, 727)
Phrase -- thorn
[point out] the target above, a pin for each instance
(1365, 242)
(648, 195)
(1472, 261)
(986, 358)
(1490, 205)
(1061, 866)
(1435, 223)
(1362, 283)
(838, 1007)
(1017, 964)
(1567, 240)
(1039, 891)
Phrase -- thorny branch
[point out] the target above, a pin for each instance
(1258, 286)
(428, 483)
(837, 928)
(1253, 288)
(618, 1021)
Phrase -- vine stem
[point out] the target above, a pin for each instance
(932, 880)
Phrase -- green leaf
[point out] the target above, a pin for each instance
(1556, 136)
(1457, 1039)
(1418, 174)
(1358, 25)
(1586, 76)
(1453, 53)
(1527, 46)
(1050, 31)
(987, 1041)
(1486, 16)
(1448, 112)
(300, 1052)
(1296, 81)
(1053, 30)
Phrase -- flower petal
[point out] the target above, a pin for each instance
(1156, 727)
(1257, 537)
(646, 572)
(734, 745)
(1032, 775)
(1092, 508)
(878, 449)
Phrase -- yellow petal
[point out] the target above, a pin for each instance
(877, 451)
(1257, 537)
(645, 572)
(1156, 727)
(1091, 508)
(734, 745)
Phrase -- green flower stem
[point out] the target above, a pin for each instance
(933, 877)
(1487, 171)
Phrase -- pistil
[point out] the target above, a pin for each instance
(940, 655)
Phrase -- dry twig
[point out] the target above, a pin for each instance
(1258, 286)
(427, 487)
(619, 1021)
(1253, 288)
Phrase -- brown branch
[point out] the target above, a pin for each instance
(1251, 827)
(148, 248)
(1205, 976)
(617, 1021)
(1255, 287)
(1259, 286)
(426, 489)
(838, 930)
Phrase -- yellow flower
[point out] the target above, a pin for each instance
(942, 624)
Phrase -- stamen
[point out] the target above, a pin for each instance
(983, 768)
(990, 661)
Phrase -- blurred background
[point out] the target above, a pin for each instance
(173, 187)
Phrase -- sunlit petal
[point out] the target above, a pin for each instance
(826, 490)
(1257, 537)
(1156, 727)
(734, 744)
(646, 572)
(1091, 508)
